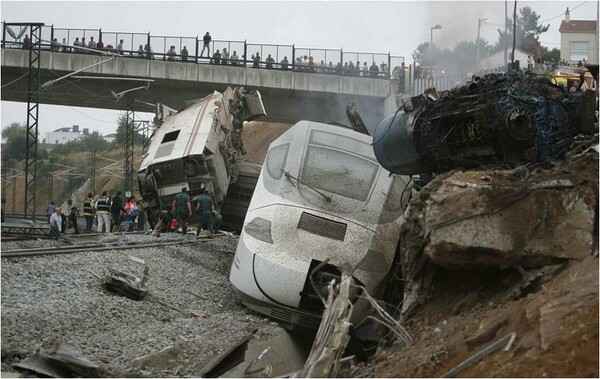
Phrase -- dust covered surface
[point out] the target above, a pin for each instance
(551, 305)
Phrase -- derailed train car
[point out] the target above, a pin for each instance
(197, 147)
(322, 203)
(505, 119)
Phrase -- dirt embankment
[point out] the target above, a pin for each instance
(258, 136)
(552, 307)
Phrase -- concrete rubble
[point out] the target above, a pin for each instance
(527, 217)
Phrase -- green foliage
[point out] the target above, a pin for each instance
(528, 32)
(88, 142)
(15, 146)
(120, 138)
(551, 55)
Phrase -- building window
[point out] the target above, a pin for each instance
(580, 50)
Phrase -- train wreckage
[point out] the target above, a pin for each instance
(498, 119)
(197, 147)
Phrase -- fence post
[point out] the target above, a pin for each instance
(51, 36)
(293, 56)
(100, 37)
(245, 53)
(389, 66)
(341, 59)
(148, 53)
(3, 33)
(196, 49)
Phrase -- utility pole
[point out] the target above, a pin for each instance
(129, 143)
(477, 61)
(93, 173)
(505, 34)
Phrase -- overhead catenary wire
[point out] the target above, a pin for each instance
(16, 80)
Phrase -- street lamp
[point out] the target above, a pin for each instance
(436, 27)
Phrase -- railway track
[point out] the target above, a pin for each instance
(93, 247)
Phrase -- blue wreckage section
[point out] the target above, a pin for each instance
(500, 119)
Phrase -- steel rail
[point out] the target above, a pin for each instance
(77, 249)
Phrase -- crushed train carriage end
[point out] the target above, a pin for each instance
(197, 147)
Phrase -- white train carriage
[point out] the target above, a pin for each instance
(197, 147)
(321, 195)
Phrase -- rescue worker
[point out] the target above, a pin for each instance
(88, 211)
(103, 212)
(73, 219)
(182, 207)
(116, 208)
(204, 210)
(216, 219)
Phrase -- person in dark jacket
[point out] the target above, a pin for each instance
(73, 219)
(204, 210)
(115, 209)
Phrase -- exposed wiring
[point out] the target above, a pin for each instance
(562, 14)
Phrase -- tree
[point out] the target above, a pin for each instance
(528, 32)
(88, 142)
(551, 55)
(120, 138)
(426, 56)
(15, 137)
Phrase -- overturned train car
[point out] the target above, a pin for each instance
(197, 147)
(508, 119)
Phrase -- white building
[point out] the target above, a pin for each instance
(64, 135)
(110, 137)
(578, 40)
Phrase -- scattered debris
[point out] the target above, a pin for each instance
(505, 342)
(126, 283)
(60, 363)
(227, 360)
(332, 336)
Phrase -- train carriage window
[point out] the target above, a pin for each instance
(171, 136)
(337, 141)
(339, 172)
(276, 160)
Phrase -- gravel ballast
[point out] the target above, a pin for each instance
(57, 299)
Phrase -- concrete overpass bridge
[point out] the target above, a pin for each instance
(288, 95)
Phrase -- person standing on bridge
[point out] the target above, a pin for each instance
(103, 212)
(182, 207)
(206, 39)
(184, 54)
(88, 211)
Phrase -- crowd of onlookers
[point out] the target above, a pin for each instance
(304, 63)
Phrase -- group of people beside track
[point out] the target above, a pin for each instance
(102, 214)
(177, 215)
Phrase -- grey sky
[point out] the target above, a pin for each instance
(367, 26)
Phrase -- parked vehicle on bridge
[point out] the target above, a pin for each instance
(196, 147)
(322, 202)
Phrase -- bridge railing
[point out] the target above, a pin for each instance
(148, 46)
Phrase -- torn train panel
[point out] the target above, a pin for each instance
(197, 147)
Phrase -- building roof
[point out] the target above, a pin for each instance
(577, 26)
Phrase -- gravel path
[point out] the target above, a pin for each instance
(54, 299)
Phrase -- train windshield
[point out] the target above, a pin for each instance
(340, 165)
